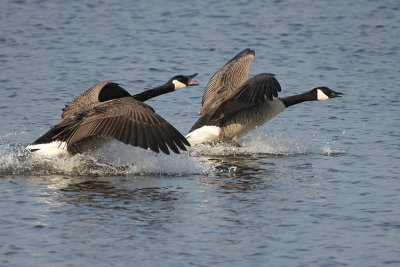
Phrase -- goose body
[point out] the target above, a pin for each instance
(234, 105)
(107, 111)
(241, 123)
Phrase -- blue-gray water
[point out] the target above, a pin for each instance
(316, 186)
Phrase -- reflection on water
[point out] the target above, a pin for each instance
(127, 201)
(240, 173)
(102, 191)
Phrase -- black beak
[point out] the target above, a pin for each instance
(192, 83)
(335, 94)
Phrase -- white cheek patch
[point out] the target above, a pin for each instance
(321, 95)
(178, 84)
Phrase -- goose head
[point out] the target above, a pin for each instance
(324, 93)
(181, 81)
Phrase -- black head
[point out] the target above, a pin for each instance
(181, 81)
(324, 93)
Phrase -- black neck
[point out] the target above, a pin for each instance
(296, 99)
(166, 88)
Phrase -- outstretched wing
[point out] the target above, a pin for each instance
(258, 89)
(127, 120)
(226, 80)
(100, 92)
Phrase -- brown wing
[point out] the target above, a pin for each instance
(227, 79)
(100, 92)
(254, 91)
(127, 120)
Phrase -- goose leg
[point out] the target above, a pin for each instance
(235, 141)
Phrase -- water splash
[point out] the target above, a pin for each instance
(258, 143)
(113, 159)
(116, 158)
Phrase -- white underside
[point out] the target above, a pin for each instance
(204, 134)
(55, 148)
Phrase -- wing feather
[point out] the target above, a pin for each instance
(226, 80)
(254, 91)
(127, 120)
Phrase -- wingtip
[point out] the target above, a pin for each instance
(250, 51)
(245, 52)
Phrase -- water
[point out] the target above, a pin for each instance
(316, 186)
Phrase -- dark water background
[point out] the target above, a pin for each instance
(316, 186)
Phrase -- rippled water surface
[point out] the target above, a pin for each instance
(316, 186)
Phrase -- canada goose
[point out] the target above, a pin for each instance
(108, 111)
(233, 105)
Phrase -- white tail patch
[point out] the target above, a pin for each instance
(204, 134)
(321, 95)
(55, 148)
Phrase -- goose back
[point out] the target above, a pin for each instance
(258, 90)
(100, 92)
